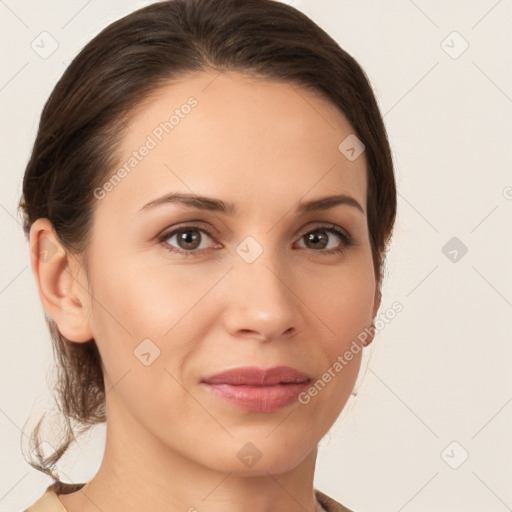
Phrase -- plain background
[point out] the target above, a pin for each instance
(435, 384)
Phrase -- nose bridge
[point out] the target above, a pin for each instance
(261, 300)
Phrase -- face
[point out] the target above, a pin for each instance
(183, 291)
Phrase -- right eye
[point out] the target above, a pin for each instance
(188, 240)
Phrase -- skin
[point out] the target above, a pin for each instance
(170, 443)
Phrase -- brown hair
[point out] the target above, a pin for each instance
(85, 117)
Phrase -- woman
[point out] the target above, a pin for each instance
(208, 203)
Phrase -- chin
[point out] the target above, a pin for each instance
(264, 454)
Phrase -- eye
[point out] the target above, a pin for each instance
(320, 238)
(189, 240)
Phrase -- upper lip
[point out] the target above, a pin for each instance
(253, 376)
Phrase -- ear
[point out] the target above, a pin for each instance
(377, 299)
(64, 297)
(370, 331)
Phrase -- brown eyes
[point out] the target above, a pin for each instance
(189, 240)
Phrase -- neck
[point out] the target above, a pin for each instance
(148, 475)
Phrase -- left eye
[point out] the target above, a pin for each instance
(320, 238)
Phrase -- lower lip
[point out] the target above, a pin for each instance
(258, 398)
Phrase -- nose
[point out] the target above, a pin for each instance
(261, 302)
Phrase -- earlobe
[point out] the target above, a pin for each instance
(64, 298)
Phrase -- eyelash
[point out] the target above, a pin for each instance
(347, 240)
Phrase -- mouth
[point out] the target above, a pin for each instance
(256, 389)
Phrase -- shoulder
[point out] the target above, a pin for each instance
(329, 504)
(49, 501)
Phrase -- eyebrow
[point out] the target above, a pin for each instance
(217, 205)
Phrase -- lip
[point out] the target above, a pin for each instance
(256, 389)
(254, 376)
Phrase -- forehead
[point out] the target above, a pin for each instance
(230, 135)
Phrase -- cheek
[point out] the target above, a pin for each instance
(342, 301)
(342, 306)
(134, 303)
(142, 336)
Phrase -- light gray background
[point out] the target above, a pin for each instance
(440, 371)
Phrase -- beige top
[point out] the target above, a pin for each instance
(49, 501)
